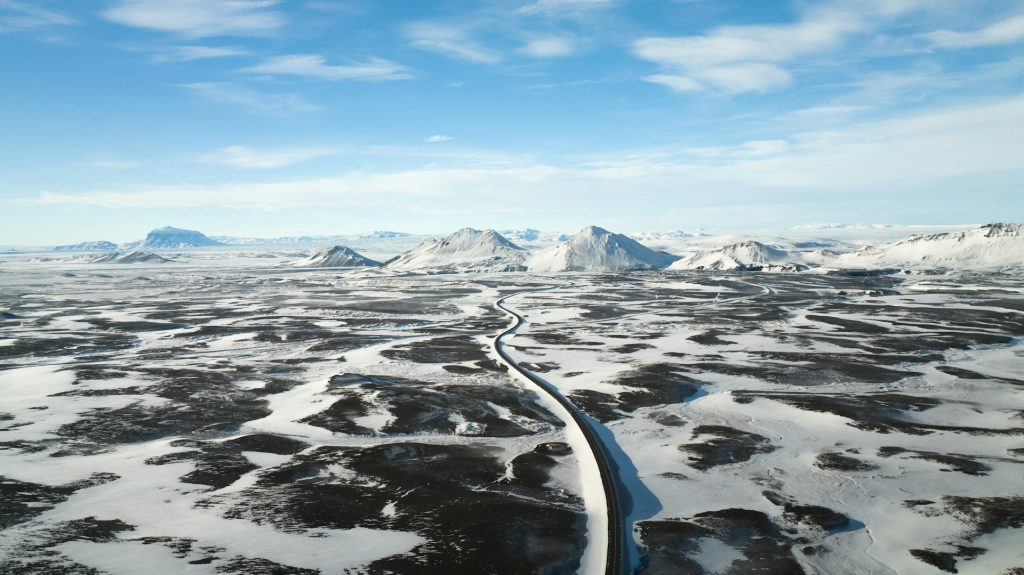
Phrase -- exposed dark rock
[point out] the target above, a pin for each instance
(840, 462)
(726, 445)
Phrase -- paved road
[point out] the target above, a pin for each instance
(617, 560)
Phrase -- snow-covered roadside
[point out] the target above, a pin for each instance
(591, 486)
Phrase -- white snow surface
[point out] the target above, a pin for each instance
(596, 249)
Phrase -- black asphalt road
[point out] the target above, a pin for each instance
(617, 560)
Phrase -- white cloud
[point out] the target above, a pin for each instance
(751, 149)
(199, 18)
(737, 59)
(1007, 31)
(243, 157)
(551, 47)
(451, 41)
(437, 139)
(747, 77)
(944, 150)
(190, 53)
(679, 84)
(316, 66)
(251, 100)
(16, 15)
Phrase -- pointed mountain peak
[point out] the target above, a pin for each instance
(595, 231)
(597, 249)
(336, 257)
(467, 249)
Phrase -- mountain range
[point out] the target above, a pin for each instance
(992, 246)
(595, 249)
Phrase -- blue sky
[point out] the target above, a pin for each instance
(269, 118)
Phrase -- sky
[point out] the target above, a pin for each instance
(313, 117)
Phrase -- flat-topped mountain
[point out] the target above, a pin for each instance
(174, 238)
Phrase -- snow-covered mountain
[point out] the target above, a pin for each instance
(173, 238)
(993, 246)
(335, 257)
(132, 257)
(743, 256)
(465, 250)
(597, 249)
(98, 246)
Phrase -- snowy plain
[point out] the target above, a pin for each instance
(229, 414)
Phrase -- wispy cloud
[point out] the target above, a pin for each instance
(676, 83)
(549, 7)
(437, 139)
(450, 40)
(925, 153)
(250, 100)
(316, 66)
(750, 149)
(549, 47)
(244, 157)
(199, 18)
(20, 16)
(190, 53)
(1008, 31)
(737, 59)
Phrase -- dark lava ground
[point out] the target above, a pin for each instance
(194, 419)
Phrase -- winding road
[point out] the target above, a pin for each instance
(617, 560)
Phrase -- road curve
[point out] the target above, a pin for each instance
(617, 561)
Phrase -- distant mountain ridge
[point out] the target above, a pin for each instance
(992, 246)
(97, 246)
